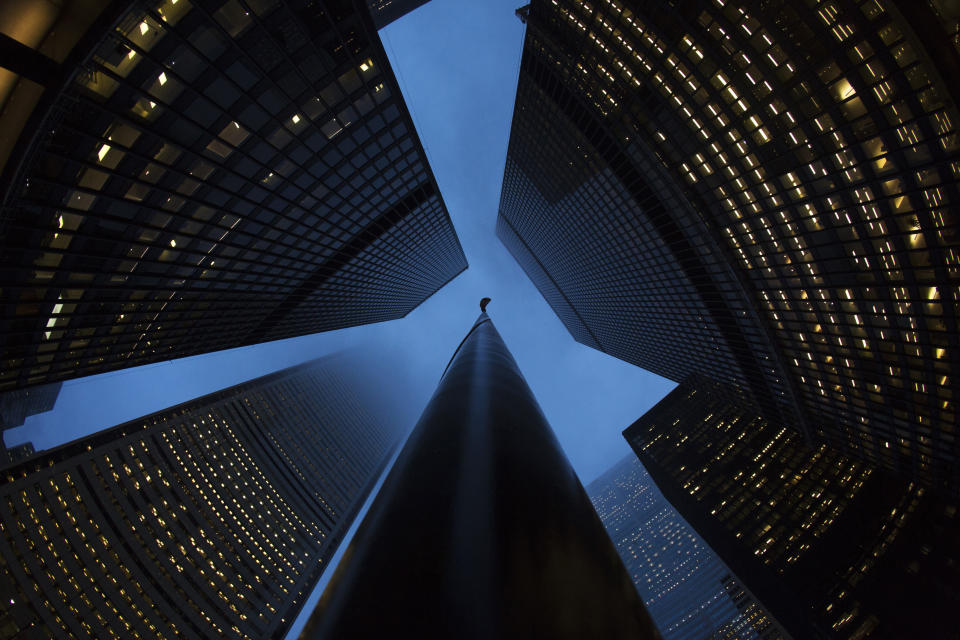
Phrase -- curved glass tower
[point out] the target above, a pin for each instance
(482, 529)
(210, 519)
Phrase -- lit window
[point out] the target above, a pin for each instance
(234, 134)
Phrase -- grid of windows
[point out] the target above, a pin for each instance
(687, 589)
(210, 519)
(598, 224)
(832, 546)
(817, 144)
(216, 174)
(750, 610)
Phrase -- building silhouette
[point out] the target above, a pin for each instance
(17, 406)
(831, 546)
(687, 589)
(213, 518)
(762, 193)
(183, 177)
(384, 12)
(481, 529)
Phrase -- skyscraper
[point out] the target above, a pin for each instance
(481, 529)
(757, 192)
(17, 406)
(831, 546)
(180, 177)
(750, 610)
(386, 11)
(688, 590)
(213, 518)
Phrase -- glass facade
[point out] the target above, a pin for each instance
(213, 518)
(832, 546)
(689, 592)
(213, 174)
(760, 194)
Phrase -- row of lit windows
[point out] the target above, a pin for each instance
(382, 160)
(790, 252)
(149, 499)
(783, 498)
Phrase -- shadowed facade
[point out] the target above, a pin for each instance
(764, 193)
(481, 529)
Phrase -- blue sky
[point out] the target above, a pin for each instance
(457, 64)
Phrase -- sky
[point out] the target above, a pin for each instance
(457, 64)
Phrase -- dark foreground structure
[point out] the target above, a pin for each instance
(384, 12)
(211, 519)
(831, 546)
(482, 529)
(179, 177)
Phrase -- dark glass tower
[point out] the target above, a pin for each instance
(832, 547)
(183, 176)
(213, 518)
(690, 593)
(481, 530)
(386, 11)
(763, 193)
(17, 406)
